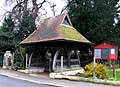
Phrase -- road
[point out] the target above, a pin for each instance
(10, 78)
(10, 82)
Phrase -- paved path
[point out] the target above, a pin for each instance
(45, 80)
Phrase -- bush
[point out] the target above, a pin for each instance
(100, 72)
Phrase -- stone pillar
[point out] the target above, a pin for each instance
(7, 61)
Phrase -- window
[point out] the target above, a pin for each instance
(97, 53)
(105, 53)
(112, 51)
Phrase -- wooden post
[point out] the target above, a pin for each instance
(61, 65)
(77, 57)
(114, 72)
(97, 60)
(94, 67)
(50, 65)
(68, 51)
(68, 60)
(26, 61)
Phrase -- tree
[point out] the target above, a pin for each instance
(24, 24)
(7, 36)
(34, 7)
(25, 16)
(93, 18)
(116, 34)
(10, 38)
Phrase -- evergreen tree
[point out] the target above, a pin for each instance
(116, 34)
(10, 38)
(13, 32)
(25, 27)
(93, 18)
(6, 36)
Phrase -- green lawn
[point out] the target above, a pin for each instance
(110, 73)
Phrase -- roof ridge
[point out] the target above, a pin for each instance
(68, 26)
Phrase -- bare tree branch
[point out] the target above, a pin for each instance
(17, 6)
(64, 9)
(52, 6)
(21, 6)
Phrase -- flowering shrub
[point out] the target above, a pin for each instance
(101, 71)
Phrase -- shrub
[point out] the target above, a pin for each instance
(100, 72)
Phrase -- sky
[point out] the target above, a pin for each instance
(59, 5)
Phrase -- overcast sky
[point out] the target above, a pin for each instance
(59, 5)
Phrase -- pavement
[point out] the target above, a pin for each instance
(44, 79)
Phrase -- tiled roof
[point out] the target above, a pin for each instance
(53, 29)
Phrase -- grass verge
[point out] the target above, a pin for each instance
(110, 74)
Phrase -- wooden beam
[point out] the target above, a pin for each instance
(30, 59)
(55, 58)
